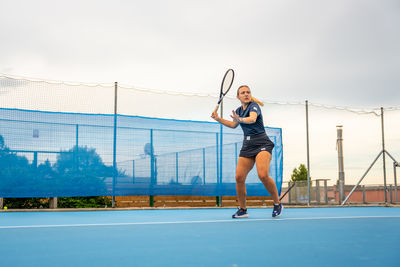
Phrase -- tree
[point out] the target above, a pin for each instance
(15, 170)
(70, 175)
(299, 174)
(82, 160)
(81, 170)
(18, 176)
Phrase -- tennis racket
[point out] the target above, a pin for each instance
(225, 86)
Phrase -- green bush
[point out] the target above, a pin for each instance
(62, 202)
(84, 202)
(26, 203)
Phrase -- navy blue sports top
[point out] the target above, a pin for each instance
(254, 128)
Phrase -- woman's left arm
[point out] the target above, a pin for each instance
(248, 120)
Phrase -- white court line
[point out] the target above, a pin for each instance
(188, 222)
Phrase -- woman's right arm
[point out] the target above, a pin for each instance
(230, 124)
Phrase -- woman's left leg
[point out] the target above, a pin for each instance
(263, 159)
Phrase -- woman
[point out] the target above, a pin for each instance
(257, 148)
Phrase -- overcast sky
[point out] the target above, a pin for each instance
(332, 52)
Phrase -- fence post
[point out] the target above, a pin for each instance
(384, 152)
(219, 200)
(155, 170)
(220, 162)
(339, 145)
(308, 156)
(76, 159)
(133, 171)
(218, 172)
(177, 167)
(204, 165)
(53, 203)
(395, 164)
(152, 176)
(115, 144)
(363, 190)
(35, 159)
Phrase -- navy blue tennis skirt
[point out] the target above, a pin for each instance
(252, 145)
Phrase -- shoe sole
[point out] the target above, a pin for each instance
(239, 217)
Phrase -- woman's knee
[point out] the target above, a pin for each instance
(265, 178)
(240, 179)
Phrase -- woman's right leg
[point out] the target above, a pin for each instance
(244, 166)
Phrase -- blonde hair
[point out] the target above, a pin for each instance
(252, 97)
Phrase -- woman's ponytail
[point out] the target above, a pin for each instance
(257, 101)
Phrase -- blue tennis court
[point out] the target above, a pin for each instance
(367, 236)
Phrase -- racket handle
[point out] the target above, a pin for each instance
(216, 108)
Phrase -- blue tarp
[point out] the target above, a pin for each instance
(54, 154)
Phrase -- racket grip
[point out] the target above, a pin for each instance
(216, 108)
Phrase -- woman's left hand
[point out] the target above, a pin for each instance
(235, 117)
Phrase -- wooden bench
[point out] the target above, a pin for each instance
(187, 201)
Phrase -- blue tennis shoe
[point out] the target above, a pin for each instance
(240, 213)
(277, 210)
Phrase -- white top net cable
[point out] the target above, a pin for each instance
(359, 111)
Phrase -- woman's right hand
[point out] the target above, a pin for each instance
(215, 116)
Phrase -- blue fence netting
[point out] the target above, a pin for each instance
(54, 154)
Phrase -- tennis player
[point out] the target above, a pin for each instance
(256, 149)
